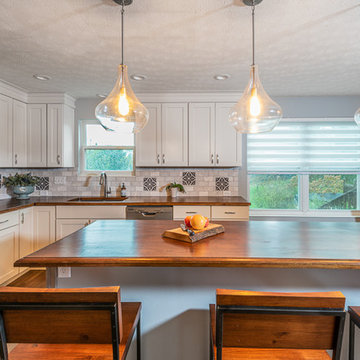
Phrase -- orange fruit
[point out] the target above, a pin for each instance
(198, 222)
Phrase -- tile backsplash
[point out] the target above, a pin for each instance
(146, 182)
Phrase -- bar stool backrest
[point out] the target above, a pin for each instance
(279, 320)
(60, 316)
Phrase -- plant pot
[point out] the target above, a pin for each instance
(23, 192)
(172, 192)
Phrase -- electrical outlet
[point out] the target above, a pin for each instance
(60, 180)
(64, 272)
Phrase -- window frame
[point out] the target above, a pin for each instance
(83, 147)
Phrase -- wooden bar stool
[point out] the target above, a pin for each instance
(66, 324)
(282, 326)
(354, 312)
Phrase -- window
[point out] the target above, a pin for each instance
(305, 165)
(101, 150)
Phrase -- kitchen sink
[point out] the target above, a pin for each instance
(98, 199)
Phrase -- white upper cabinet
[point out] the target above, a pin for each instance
(228, 144)
(60, 136)
(148, 141)
(6, 107)
(164, 140)
(201, 134)
(19, 134)
(36, 135)
(174, 134)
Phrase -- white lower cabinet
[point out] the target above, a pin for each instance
(9, 245)
(26, 232)
(214, 212)
(44, 226)
(65, 227)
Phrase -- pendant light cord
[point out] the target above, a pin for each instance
(122, 32)
(253, 33)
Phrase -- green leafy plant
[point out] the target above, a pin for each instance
(20, 180)
(174, 185)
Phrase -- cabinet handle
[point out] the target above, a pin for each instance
(58, 159)
(15, 159)
(158, 158)
(3, 222)
(163, 159)
(217, 158)
(212, 158)
(190, 212)
(230, 212)
(22, 218)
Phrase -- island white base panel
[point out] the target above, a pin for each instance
(175, 318)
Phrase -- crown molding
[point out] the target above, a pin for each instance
(13, 91)
(190, 97)
(51, 98)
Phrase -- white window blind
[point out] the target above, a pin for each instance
(306, 146)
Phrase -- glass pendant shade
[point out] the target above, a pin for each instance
(357, 117)
(121, 110)
(255, 112)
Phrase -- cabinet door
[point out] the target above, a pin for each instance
(174, 134)
(228, 146)
(26, 240)
(44, 226)
(201, 134)
(148, 140)
(65, 227)
(9, 245)
(67, 145)
(6, 157)
(55, 123)
(36, 135)
(19, 134)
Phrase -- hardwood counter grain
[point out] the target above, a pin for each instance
(260, 244)
(7, 205)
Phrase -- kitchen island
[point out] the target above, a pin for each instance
(176, 281)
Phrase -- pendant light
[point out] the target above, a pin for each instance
(255, 112)
(357, 117)
(121, 111)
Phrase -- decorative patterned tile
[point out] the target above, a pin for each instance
(189, 178)
(43, 183)
(149, 184)
(222, 184)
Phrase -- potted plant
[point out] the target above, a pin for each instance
(173, 188)
(21, 184)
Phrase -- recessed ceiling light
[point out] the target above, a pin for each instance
(221, 77)
(41, 77)
(101, 96)
(138, 77)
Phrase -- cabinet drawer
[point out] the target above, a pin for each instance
(180, 212)
(90, 212)
(230, 213)
(9, 219)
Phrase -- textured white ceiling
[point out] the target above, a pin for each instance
(304, 47)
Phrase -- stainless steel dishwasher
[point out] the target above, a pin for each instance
(149, 212)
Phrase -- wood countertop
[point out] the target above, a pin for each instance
(327, 245)
(7, 205)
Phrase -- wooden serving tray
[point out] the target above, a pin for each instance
(181, 235)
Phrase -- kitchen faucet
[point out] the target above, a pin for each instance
(103, 181)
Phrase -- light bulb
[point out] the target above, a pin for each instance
(124, 106)
(121, 107)
(255, 112)
(255, 108)
(357, 117)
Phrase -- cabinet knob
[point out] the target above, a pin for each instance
(58, 159)
(163, 158)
